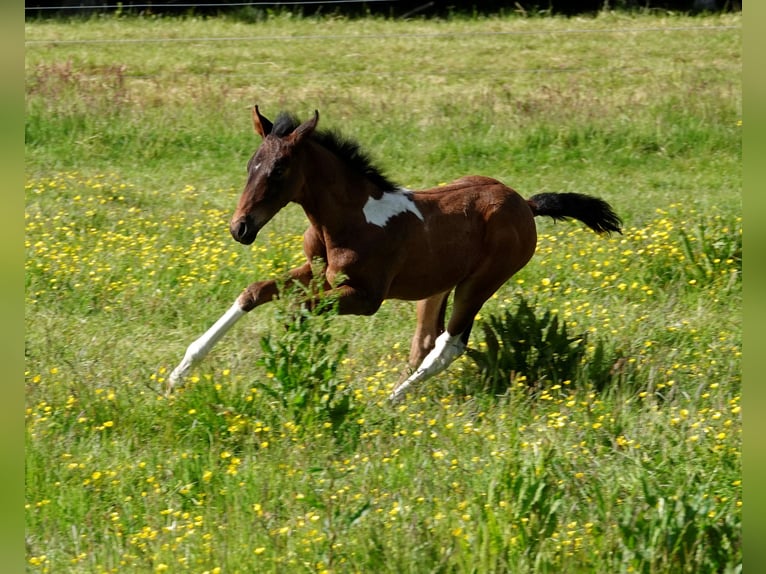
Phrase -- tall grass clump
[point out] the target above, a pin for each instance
(523, 345)
(302, 369)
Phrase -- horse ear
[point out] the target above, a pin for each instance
(262, 126)
(306, 128)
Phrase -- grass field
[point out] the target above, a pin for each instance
(282, 454)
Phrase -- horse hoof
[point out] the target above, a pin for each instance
(397, 395)
(176, 378)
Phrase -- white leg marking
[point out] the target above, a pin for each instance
(446, 349)
(201, 347)
(391, 203)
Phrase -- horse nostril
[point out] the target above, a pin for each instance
(244, 231)
(241, 228)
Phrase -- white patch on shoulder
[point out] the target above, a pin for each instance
(391, 203)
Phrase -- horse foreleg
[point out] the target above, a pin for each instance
(201, 347)
(254, 295)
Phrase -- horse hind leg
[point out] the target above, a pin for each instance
(446, 349)
(430, 325)
(431, 314)
(470, 296)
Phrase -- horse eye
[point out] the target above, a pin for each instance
(278, 171)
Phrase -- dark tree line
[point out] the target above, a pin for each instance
(392, 8)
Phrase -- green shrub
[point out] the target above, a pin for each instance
(521, 343)
(540, 349)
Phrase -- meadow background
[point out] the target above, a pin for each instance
(281, 454)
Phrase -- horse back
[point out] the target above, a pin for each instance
(473, 197)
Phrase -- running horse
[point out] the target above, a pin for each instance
(376, 240)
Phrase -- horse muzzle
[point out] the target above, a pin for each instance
(244, 230)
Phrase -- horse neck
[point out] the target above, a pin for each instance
(332, 193)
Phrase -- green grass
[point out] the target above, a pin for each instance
(282, 453)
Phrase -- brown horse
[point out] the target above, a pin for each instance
(376, 240)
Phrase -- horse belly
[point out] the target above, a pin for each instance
(436, 262)
(422, 283)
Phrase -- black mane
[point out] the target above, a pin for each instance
(347, 150)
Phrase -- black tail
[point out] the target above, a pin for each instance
(592, 211)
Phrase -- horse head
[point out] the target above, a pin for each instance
(273, 179)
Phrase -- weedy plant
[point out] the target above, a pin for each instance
(685, 531)
(302, 365)
(711, 250)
